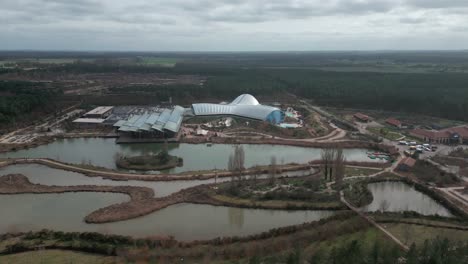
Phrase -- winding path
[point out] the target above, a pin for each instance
(374, 223)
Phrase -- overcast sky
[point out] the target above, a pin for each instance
(233, 25)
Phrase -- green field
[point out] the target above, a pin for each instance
(353, 171)
(418, 234)
(43, 61)
(385, 132)
(160, 61)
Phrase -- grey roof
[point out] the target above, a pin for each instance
(167, 120)
(100, 110)
(119, 123)
(244, 105)
(175, 120)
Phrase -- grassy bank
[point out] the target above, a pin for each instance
(161, 161)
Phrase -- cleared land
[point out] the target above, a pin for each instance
(55, 256)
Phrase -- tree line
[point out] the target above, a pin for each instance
(441, 94)
(19, 97)
(436, 94)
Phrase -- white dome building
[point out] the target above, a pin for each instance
(244, 105)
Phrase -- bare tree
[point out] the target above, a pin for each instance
(239, 160)
(231, 167)
(272, 170)
(236, 163)
(254, 176)
(339, 167)
(328, 155)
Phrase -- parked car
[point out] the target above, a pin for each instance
(403, 143)
(413, 143)
(420, 150)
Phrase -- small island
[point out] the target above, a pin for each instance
(160, 161)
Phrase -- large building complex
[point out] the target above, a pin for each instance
(244, 105)
(452, 135)
(160, 124)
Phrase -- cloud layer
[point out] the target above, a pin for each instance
(190, 25)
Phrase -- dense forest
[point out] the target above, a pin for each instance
(19, 98)
(438, 93)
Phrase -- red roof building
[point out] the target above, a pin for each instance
(445, 136)
(394, 122)
(362, 117)
(406, 164)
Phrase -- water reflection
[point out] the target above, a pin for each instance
(40, 174)
(101, 152)
(65, 212)
(398, 197)
(236, 217)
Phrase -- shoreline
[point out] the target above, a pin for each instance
(183, 176)
(142, 201)
(8, 147)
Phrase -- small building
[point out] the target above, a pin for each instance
(406, 164)
(394, 122)
(99, 112)
(362, 117)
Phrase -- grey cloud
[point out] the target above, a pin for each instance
(437, 3)
(413, 20)
(206, 11)
(204, 22)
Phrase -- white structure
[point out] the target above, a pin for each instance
(244, 105)
(99, 112)
(88, 122)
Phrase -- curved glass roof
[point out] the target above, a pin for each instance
(244, 105)
(167, 120)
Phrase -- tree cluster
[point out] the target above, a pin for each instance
(333, 165)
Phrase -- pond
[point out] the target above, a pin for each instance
(65, 212)
(41, 174)
(102, 152)
(398, 197)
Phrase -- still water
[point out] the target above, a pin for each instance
(65, 212)
(398, 197)
(102, 151)
(40, 174)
